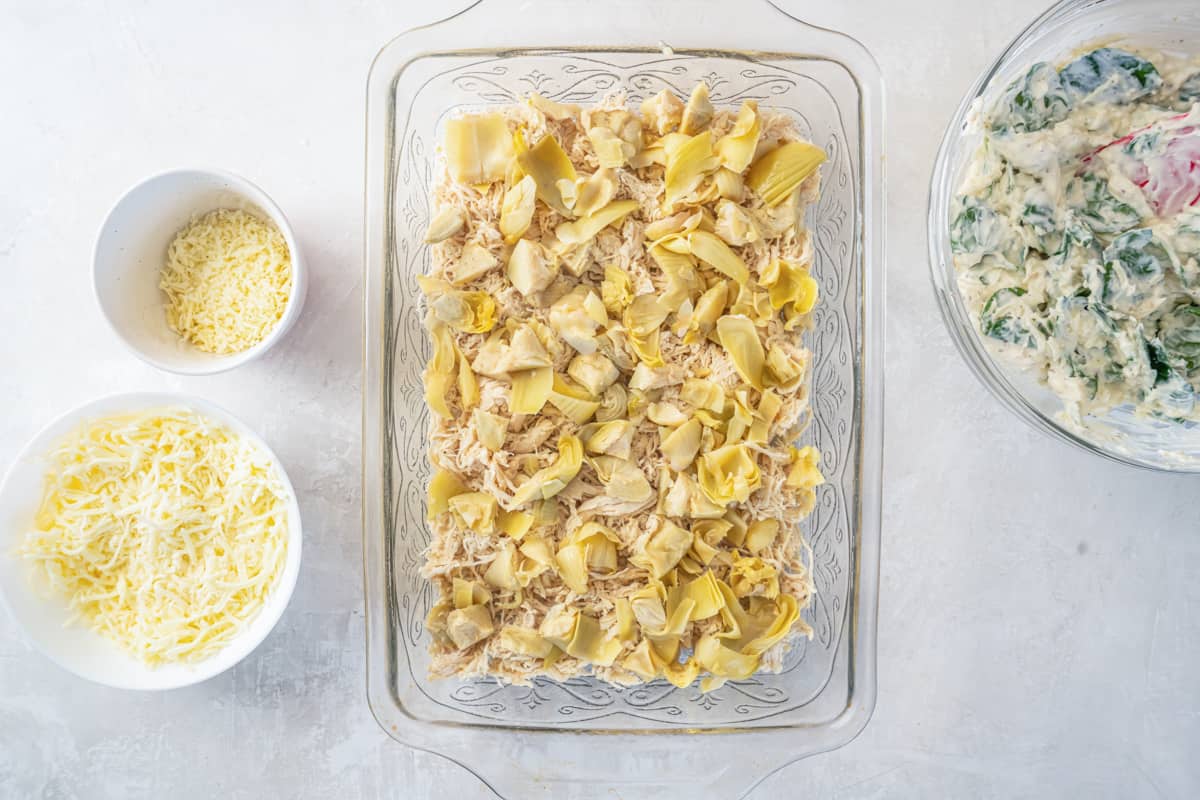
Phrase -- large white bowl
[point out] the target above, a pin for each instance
(75, 647)
(131, 249)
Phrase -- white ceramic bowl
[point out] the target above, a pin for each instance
(131, 249)
(75, 647)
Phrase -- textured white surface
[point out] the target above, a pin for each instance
(1039, 615)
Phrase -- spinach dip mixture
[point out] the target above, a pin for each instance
(1076, 231)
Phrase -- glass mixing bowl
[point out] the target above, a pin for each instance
(1166, 25)
(583, 737)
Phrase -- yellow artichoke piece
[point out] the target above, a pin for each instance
(790, 284)
(584, 229)
(738, 528)
(734, 225)
(768, 408)
(647, 348)
(644, 315)
(516, 209)
(787, 612)
(573, 401)
(552, 109)
(724, 662)
(473, 262)
(641, 662)
(761, 535)
(537, 550)
(711, 531)
(474, 511)
(468, 386)
(728, 474)
(671, 227)
(439, 372)
(616, 290)
(625, 619)
(685, 499)
(779, 172)
(752, 303)
(730, 185)
(736, 148)
(663, 112)
(701, 393)
(613, 403)
(524, 641)
(709, 248)
(612, 438)
(547, 164)
(663, 549)
(593, 371)
(490, 428)
(805, 470)
(753, 577)
(698, 113)
(525, 351)
(705, 593)
(783, 369)
(514, 524)
(688, 163)
(572, 567)
(611, 151)
(530, 390)
(443, 486)
(741, 418)
(469, 312)
(569, 191)
(622, 479)
(478, 148)
(549, 481)
(502, 572)
(683, 283)
(695, 324)
(570, 319)
(468, 626)
(681, 675)
(445, 223)
(666, 414)
(588, 643)
(468, 593)
(530, 269)
(680, 446)
(739, 337)
(490, 358)
(594, 192)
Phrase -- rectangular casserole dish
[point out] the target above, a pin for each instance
(529, 742)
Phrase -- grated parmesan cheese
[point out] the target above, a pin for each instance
(227, 280)
(164, 530)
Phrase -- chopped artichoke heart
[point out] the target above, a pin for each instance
(705, 593)
(593, 371)
(736, 148)
(664, 549)
(443, 486)
(805, 471)
(547, 482)
(502, 572)
(783, 370)
(531, 389)
(490, 428)
(739, 337)
(530, 269)
(445, 223)
(474, 262)
(712, 655)
(547, 164)
(761, 534)
(584, 229)
(468, 626)
(573, 401)
(594, 192)
(666, 414)
(790, 284)
(709, 248)
(622, 479)
(702, 393)
(734, 225)
(753, 577)
(728, 474)
(478, 148)
(688, 164)
(680, 446)
(698, 112)
(613, 438)
(779, 172)
(662, 112)
(552, 109)
(611, 151)
(616, 290)
(475, 511)
(525, 641)
(516, 210)
(439, 371)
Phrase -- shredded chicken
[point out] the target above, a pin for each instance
(488, 621)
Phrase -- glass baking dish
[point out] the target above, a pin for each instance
(530, 742)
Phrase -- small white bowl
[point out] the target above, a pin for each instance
(131, 249)
(75, 647)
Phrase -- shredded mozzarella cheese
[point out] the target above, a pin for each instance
(227, 280)
(164, 530)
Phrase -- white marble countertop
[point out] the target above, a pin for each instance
(1039, 632)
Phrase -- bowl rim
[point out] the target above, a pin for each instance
(253, 192)
(982, 364)
(259, 628)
